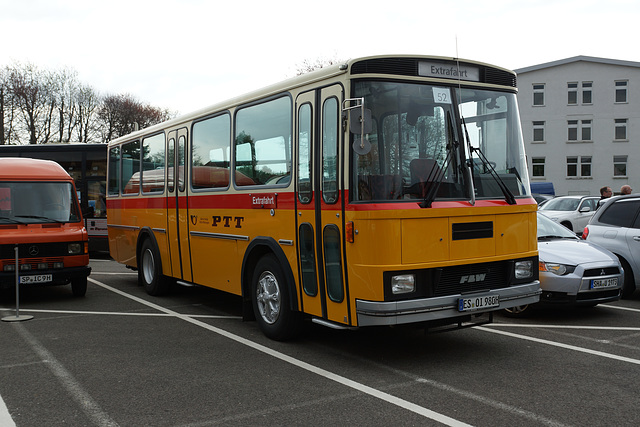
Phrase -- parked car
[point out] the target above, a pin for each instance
(616, 226)
(574, 212)
(573, 272)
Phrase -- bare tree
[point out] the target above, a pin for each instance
(309, 65)
(66, 85)
(122, 114)
(28, 91)
(87, 102)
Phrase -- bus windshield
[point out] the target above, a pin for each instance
(419, 148)
(37, 202)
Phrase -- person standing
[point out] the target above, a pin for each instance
(625, 189)
(605, 192)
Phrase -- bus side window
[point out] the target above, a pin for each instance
(114, 171)
(263, 144)
(153, 164)
(131, 167)
(210, 153)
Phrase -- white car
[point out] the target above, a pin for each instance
(573, 272)
(574, 212)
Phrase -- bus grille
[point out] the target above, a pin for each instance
(471, 278)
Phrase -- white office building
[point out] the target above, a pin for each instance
(581, 123)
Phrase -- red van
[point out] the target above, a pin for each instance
(40, 215)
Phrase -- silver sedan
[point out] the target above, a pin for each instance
(573, 272)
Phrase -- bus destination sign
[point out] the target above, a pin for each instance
(448, 71)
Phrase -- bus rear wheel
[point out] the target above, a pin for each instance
(270, 300)
(150, 270)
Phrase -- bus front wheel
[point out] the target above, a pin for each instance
(270, 300)
(150, 270)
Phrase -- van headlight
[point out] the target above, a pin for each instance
(74, 248)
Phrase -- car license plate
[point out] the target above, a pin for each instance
(604, 283)
(478, 302)
(38, 278)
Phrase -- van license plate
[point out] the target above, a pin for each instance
(604, 283)
(39, 278)
(479, 302)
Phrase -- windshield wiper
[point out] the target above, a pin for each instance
(434, 184)
(508, 195)
(44, 218)
(551, 236)
(13, 220)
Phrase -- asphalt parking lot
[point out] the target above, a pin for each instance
(121, 357)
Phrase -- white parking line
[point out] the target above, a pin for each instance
(617, 307)
(115, 313)
(5, 416)
(75, 389)
(304, 365)
(561, 345)
(593, 328)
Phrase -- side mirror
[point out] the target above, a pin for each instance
(359, 123)
(585, 209)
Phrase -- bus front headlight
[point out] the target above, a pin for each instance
(403, 284)
(523, 269)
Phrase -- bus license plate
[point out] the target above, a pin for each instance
(604, 283)
(39, 278)
(478, 302)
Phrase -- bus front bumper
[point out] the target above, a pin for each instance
(375, 313)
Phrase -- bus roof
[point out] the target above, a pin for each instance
(383, 67)
(25, 169)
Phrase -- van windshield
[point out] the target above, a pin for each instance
(37, 202)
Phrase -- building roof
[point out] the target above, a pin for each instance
(578, 59)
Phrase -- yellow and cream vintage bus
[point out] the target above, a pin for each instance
(383, 191)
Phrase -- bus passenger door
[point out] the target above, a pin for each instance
(177, 205)
(319, 201)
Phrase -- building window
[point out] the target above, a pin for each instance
(586, 92)
(572, 166)
(583, 166)
(619, 165)
(585, 130)
(621, 129)
(572, 93)
(538, 94)
(538, 131)
(573, 130)
(621, 91)
(537, 166)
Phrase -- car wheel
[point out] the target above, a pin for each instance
(79, 286)
(567, 224)
(518, 311)
(629, 286)
(150, 270)
(270, 300)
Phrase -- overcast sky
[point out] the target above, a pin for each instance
(187, 54)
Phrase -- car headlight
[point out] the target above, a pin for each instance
(523, 269)
(555, 268)
(403, 284)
